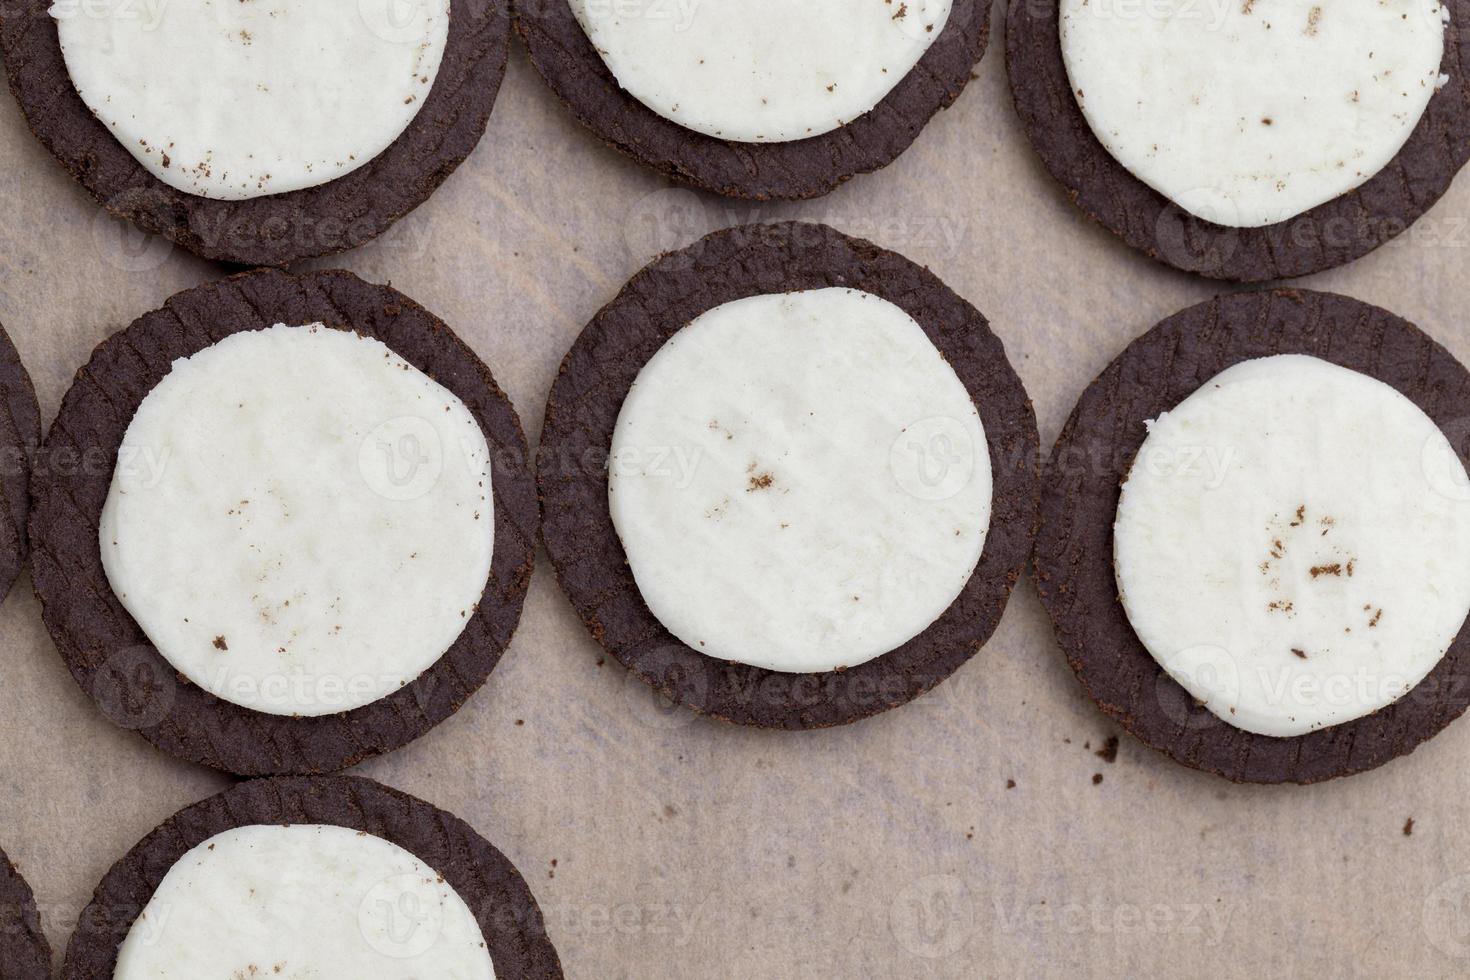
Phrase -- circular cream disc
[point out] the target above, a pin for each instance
(303, 902)
(1248, 114)
(1290, 545)
(759, 71)
(234, 100)
(300, 520)
(800, 481)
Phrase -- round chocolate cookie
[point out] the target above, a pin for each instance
(496, 895)
(1330, 234)
(583, 411)
(106, 649)
(1074, 558)
(24, 952)
(792, 170)
(276, 228)
(20, 434)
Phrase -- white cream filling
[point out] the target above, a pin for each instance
(235, 99)
(800, 480)
(1250, 112)
(300, 520)
(759, 71)
(1291, 545)
(303, 902)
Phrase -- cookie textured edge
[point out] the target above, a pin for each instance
(108, 654)
(566, 60)
(583, 545)
(495, 892)
(24, 952)
(1073, 565)
(20, 435)
(278, 228)
(1329, 235)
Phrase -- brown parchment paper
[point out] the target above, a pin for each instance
(663, 845)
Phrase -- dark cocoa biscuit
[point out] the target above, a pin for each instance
(20, 434)
(108, 653)
(1074, 549)
(1329, 235)
(489, 884)
(24, 952)
(796, 170)
(276, 229)
(576, 439)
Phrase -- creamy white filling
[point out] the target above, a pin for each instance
(800, 480)
(1291, 545)
(1250, 112)
(300, 520)
(761, 70)
(235, 99)
(303, 902)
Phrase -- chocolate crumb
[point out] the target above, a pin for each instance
(220, 644)
(1109, 750)
(1096, 778)
(1409, 827)
(1010, 784)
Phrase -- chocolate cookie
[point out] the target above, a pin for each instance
(1329, 235)
(20, 434)
(108, 653)
(800, 169)
(497, 895)
(274, 229)
(1074, 568)
(585, 403)
(24, 952)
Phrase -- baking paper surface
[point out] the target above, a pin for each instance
(661, 845)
